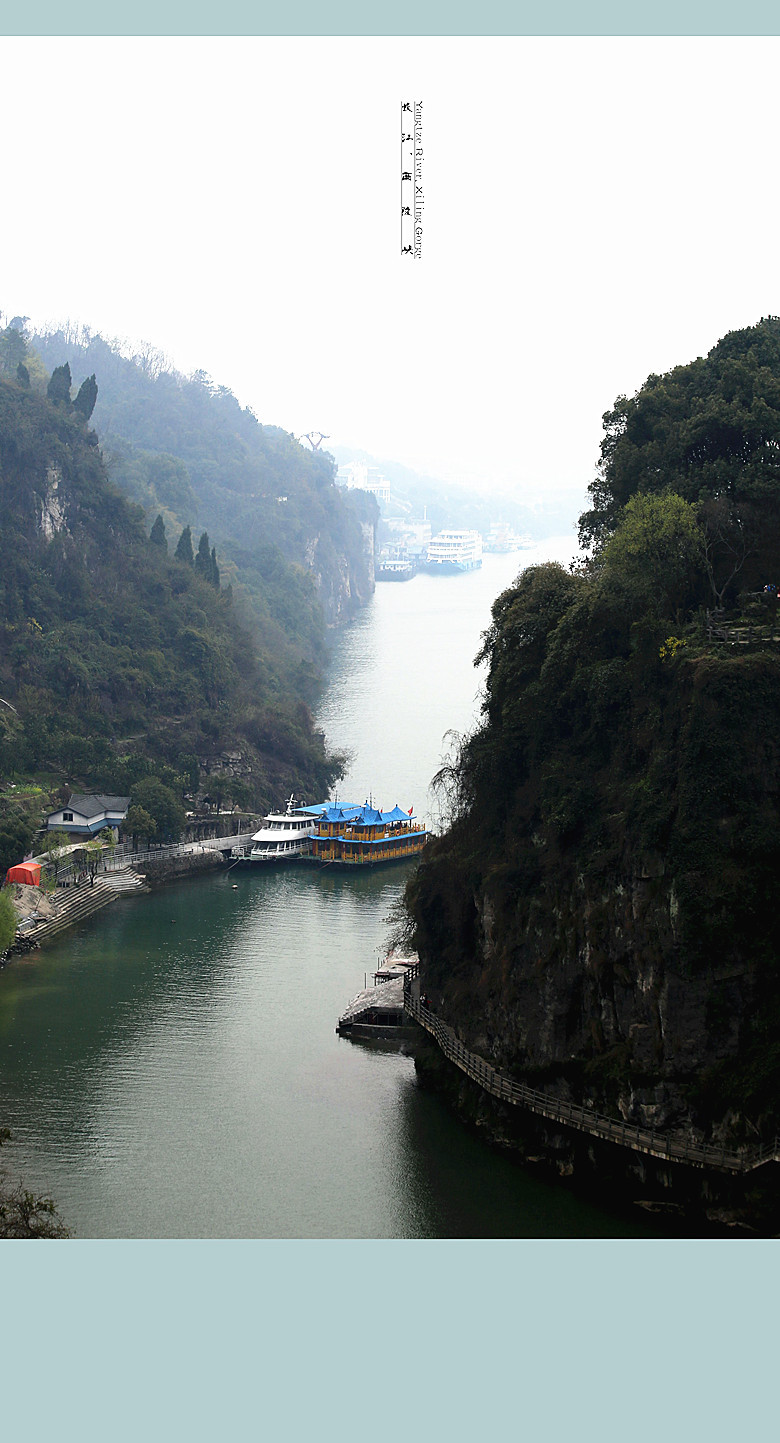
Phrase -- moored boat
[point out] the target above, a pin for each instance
(285, 835)
(394, 564)
(366, 836)
(453, 551)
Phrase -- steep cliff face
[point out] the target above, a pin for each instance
(185, 448)
(343, 570)
(602, 918)
(118, 660)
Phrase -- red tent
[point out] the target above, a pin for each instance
(27, 872)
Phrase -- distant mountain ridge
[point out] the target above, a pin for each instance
(184, 447)
(117, 660)
(450, 503)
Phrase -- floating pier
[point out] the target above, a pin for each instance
(378, 1011)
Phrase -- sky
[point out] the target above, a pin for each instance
(596, 209)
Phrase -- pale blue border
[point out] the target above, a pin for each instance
(405, 17)
(386, 1341)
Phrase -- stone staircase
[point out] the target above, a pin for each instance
(123, 880)
(75, 903)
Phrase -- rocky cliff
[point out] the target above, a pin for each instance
(601, 919)
(183, 447)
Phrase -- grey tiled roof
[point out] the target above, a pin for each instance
(90, 803)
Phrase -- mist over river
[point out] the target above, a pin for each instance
(170, 1068)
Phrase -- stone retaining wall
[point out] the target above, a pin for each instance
(171, 869)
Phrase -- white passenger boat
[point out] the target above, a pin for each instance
(453, 551)
(286, 834)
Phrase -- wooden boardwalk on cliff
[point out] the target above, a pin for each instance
(669, 1146)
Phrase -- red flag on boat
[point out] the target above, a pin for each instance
(411, 809)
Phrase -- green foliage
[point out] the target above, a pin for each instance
(58, 389)
(13, 350)
(183, 550)
(17, 829)
(139, 823)
(8, 921)
(86, 398)
(162, 805)
(206, 562)
(621, 756)
(282, 559)
(157, 481)
(117, 658)
(658, 546)
(24, 1214)
(53, 847)
(104, 640)
(157, 535)
(709, 432)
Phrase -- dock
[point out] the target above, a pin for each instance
(378, 1011)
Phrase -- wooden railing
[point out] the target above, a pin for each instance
(743, 634)
(673, 1147)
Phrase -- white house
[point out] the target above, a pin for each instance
(87, 813)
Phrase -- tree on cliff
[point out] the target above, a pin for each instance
(13, 350)
(184, 550)
(206, 562)
(86, 398)
(709, 432)
(603, 905)
(658, 546)
(58, 389)
(157, 535)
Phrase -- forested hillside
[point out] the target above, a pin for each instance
(184, 447)
(601, 917)
(119, 659)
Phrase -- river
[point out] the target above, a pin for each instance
(170, 1068)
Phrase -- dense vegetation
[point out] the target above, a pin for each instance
(119, 660)
(602, 912)
(290, 541)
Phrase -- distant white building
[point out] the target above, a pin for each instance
(357, 476)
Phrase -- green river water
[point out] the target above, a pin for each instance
(170, 1068)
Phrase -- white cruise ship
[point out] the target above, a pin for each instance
(287, 834)
(452, 551)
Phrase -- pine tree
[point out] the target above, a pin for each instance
(86, 398)
(184, 551)
(214, 569)
(13, 349)
(203, 558)
(58, 389)
(157, 535)
(23, 376)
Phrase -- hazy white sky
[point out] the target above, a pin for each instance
(595, 209)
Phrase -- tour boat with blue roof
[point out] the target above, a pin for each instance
(352, 836)
(338, 833)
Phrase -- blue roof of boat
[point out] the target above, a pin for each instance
(368, 816)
